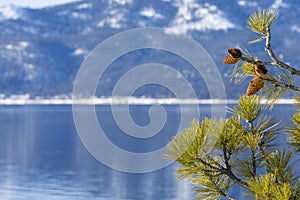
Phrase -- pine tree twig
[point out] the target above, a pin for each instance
(275, 60)
(226, 157)
(253, 159)
(280, 84)
(234, 178)
(226, 195)
(218, 164)
(261, 150)
(228, 172)
(256, 62)
(273, 56)
(253, 164)
(208, 164)
(251, 126)
(221, 192)
(213, 173)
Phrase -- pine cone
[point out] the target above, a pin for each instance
(235, 53)
(230, 60)
(255, 85)
(260, 69)
(233, 56)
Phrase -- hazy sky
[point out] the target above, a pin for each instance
(34, 3)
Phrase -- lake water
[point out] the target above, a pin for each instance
(41, 156)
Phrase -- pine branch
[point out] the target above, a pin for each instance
(273, 56)
(219, 190)
(253, 160)
(256, 62)
(271, 80)
(234, 178)
(226, 157)
(211, 173)
(280, 84)
(228, 172)
(226, 195)
(210, 165)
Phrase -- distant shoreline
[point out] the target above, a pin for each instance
(123, 101)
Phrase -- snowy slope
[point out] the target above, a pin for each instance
(42, 49)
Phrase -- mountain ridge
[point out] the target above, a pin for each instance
(41, 50)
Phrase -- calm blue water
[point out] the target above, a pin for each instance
(41, 157)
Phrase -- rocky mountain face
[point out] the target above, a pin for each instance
(42, 49)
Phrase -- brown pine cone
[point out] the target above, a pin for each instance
(260, 70)
(235, 53)
(255, 85)
(230, 60)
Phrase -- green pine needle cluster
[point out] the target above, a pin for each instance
(294, 139)
(248, 108)
(273, 90)
(239, 73)
(280, 183)
(280, 166)
(266, 188)
(294, 131)
(259, 21)
(211, 187)
(238, 150)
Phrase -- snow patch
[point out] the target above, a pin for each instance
(80, 52)
(248, 3)
(29, 66)
(18, 47)
(115, 14)
(295, 28)
(66, 99)
(15, 52)
(194, 16)
(81, 16)
(84, 6)
(278, 4)
(9, 46)
(114, 19)
(10, 12)
(150, 13)
(120, 2)
(37, 4)
(30, 72)
(23, 44)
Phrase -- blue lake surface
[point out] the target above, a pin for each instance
(42, 157)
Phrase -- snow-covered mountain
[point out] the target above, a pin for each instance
(42, 49)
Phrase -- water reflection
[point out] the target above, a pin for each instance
(42, 158)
